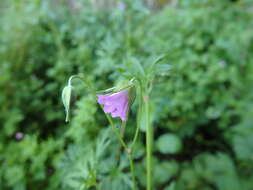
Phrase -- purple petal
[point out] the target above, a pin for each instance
(102, 98)
(116, 104)
(118, 95)
(19, 135)
(124, 111)
(116, 113)
(109, 109)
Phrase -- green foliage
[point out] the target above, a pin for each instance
(169, 143)
(201, 102)
(83, 167)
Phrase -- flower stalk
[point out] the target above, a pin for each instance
(149, 139)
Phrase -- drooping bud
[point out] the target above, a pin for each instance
(66, 97)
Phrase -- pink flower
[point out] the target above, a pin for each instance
(19, 136)
(116, 104)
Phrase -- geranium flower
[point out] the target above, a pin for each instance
(19, 136)
(116, 104)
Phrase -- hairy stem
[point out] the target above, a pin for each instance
(149, 138)
(116, 131)
(132, 170)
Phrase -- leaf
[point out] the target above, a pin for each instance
(135, 68)
(243, 146)
(172, 186)
(157, 60)
(242, 139)
(162, 69)
(169, 144)
(218, 169)
(164, 171)
(66, 96)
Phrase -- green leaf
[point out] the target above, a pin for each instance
(172, 186)
(164, 171)
(135, 68)
(169, 144)
(217, 169)
(162, 69)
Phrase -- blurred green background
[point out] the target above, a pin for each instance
(202, 107)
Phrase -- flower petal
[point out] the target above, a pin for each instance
(109, 109)
(102, 98)
(124, 111)
(116, 113)
(116, 104)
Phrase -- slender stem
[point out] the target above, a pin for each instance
(135, 135)
(138, 119)
(128, 151)
(122, 129)
(116, 132)
(132, 170)
(148, 144)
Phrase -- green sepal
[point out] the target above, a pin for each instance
(131, 95)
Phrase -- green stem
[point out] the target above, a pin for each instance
(116, 132)
(138, 118)
(128, 151)
(135, 135)
(122, 129)
(148, 144)
(132, 169)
